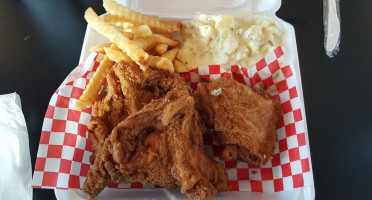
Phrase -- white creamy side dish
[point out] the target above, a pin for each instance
(241, 39)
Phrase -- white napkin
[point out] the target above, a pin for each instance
(15, 161)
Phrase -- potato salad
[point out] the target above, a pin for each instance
(241, 39)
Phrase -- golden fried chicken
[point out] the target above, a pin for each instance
(243, 119)
(140, 87)
(110, 106)
(126, 91)
(97, 133)
(160, 144)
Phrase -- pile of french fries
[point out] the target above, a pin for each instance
(135, 38)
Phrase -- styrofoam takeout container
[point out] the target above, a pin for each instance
(186, 10)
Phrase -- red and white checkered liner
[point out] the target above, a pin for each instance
(63, 156)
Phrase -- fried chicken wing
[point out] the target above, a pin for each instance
(243, 119)
(160, 144)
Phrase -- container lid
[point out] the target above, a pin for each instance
(190, 8)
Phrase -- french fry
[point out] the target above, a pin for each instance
(126, 45)
(99, 48)
(117, 21)
(114, 46)
(91, 91)
(139, 31)
(171, 54)
(162, 63)
(117, 56)
(169, 42)
(146, 43)
(129, 35)
(160, 49)
(179, 66)
(134, 17)
(167, 35)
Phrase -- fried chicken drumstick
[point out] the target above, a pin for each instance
(243, 119)
(159, 141)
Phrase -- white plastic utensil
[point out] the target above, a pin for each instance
(332, 27)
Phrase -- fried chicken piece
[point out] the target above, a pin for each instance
(126, 91)
(97, 133)
(243, 119)
(140, 87)
(160, 144)
(109, 109)
(110, 106)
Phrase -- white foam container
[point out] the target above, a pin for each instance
(186, 10)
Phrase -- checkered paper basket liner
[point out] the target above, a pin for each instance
(63, 157)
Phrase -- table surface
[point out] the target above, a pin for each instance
(41, 43)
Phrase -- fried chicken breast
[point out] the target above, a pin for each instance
(243, 119)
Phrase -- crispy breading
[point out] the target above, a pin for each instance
(110, 106)
(140, 87)
(243, 119)
(160, 144)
